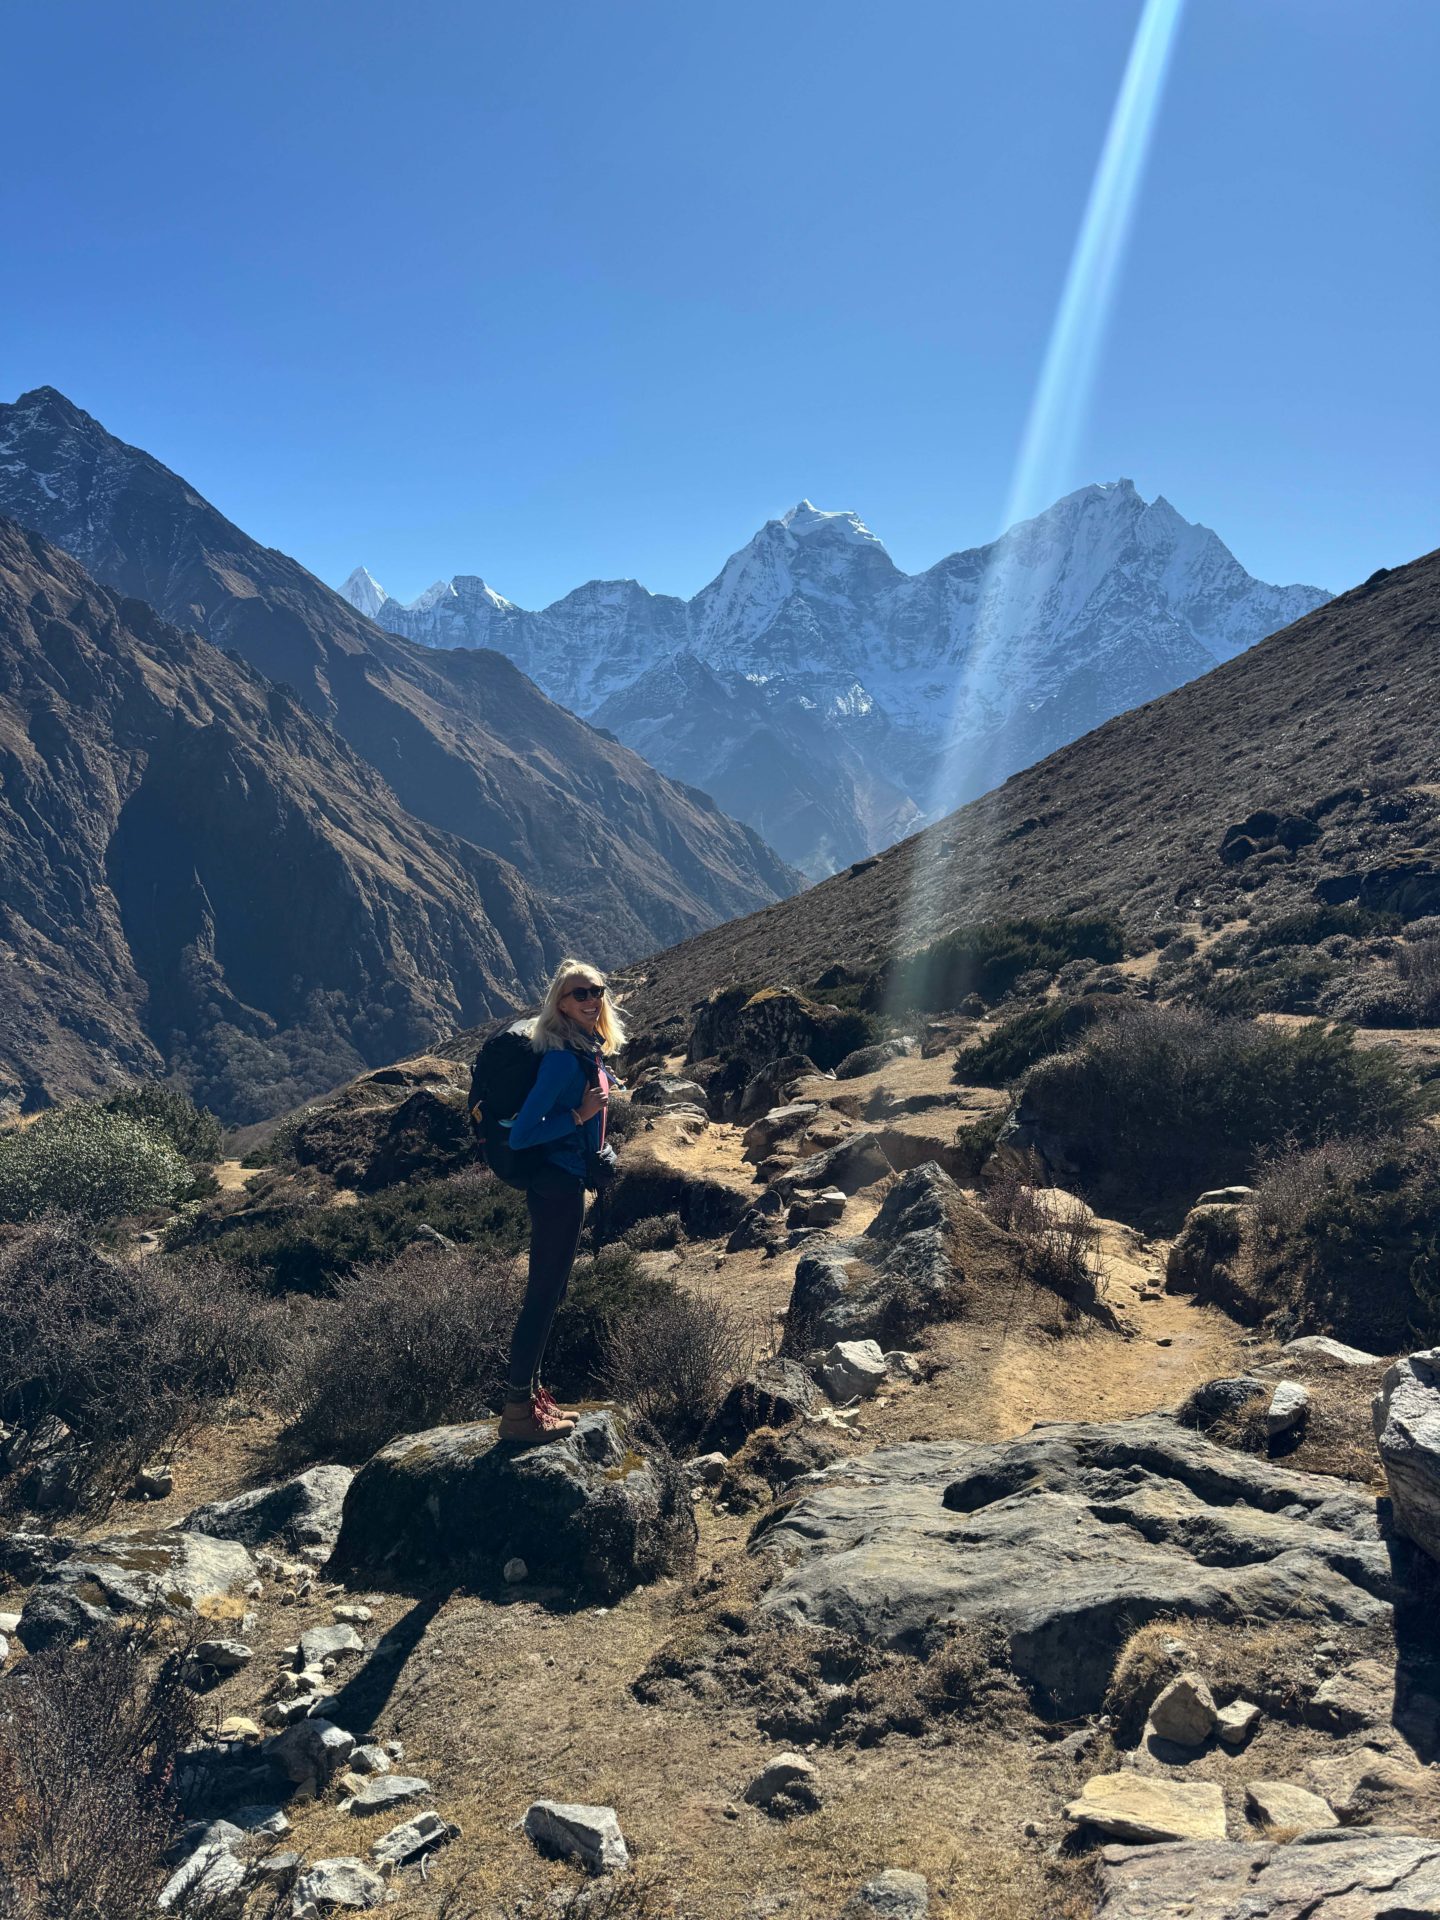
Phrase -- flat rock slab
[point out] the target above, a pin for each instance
(591, 1512)
(1069, 1538)
(415, 1837)
(1279, 1803)
(1319, 1346)
(1407, 1429)
(891, 1895)
(385, 1790)
(124, 1575)
(1350, 1874)
(590, 1835)
(345, 1883)
(303, 1512)
(1131, 1806)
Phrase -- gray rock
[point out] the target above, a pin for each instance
(590, 1835)
(1279, 1803)
(855, 1163)
(386, 1790)
(1220, 1399)
(408, 1842)
(126, 1574)
(345, 1882)
(311, 1749)
(1184, 1712)
(762, 1136)
(351, 1614)
(9, 1622)
(1068, 1538)
(514, 1571)
(891, 1895)
(789, 1775)
(28, 1557)
(595, 1511)
(777, 1392)
(4, 1649)
(152, 1483)
(1319, 1346)
(705, 1469)
(851, 1369)
(1235, 1724)
(370, 1759)
(1343, 1875)
(1407, 1428)
(814, 1210)
(1289, 1406)
(665, 1090)
(301, 1512)
(225, 1656)
(276, 1866)
(1226, 1197)
(1360, 1695)
(207, 1876)
(199, 1834)
(326, 1643)
(1133, 1807)
(270, 1820)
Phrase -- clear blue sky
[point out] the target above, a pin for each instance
(550, 291)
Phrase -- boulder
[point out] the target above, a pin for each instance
(817, 1209)
(598, 1512)
(666, 1090)
(1407, 1430)
(1132, 1807)
(27, 1557)
(590, 1835)
(327, 1643)
(891, 1895)
(311, 1751)
(1319, 1346)
(1360, 1695)
(871, 1059)
(772, 1084)
(224, 1656)
(1221, 1399)
(385, 1790)
(427, 1136)
(774, 1394)
(302, 1512)
(122, 1575)
(345, 1883)
(1278, 1803)
(762, 1136)
(771, 1023)
(207, 1877)
(856, 1162)
(786, 1784)
(1344, 1875)
(1068, 1538)
(407, 1842)
(1288, 1408)
(852, 1369)
(1184, 1712)
(1235, 1724)
(1203, 1257)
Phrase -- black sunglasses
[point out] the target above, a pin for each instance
(583, 993)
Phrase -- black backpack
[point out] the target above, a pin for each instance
(501, 1078)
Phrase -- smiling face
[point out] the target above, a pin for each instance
(582, 1007)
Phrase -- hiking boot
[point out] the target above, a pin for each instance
(530, 1423)
(548, 1404)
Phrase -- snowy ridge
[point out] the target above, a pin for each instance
(859, 699)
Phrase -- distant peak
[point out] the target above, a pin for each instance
(805, 521)
(432, 596)
(50, 400)
(364, 591)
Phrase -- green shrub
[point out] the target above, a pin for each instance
(605, 1290)
(673, 1362)
(1284, 982)
(83, 1160)
(1163, 1102)
(1308, 926)
(308, 1248)
(1033, 1035)
(988, 959)
(172, 1115)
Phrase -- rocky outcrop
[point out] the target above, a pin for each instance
(596, 1513)
(771, 1023)
(124, 1575)
(303, 1512)
(774, 1394)
(1325, 1876)
(928, 1245)
(1407, 1430)
(1067, 1539)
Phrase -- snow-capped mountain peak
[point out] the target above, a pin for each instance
(364, 592)
(804, 522)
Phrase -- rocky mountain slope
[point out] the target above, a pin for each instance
(627, 857)
(1306, 767)
(813, 687)
(199, 874)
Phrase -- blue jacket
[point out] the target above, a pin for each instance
(545, 1120)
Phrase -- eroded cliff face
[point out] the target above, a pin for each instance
(200, 875)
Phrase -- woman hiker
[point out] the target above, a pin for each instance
(564, 1114)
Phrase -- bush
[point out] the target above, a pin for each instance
(172, 1115)
(988, 959)
(1308, 926)
(418, 1342)
(1033, 1035)
(83, 1160)
(605, 1291)
(1418, 965)
(130, 1357)
(1160, 1103)
(1058, 1235)
(659, 1232)
(1282, 982)
(310, 1248)
(89, 1743)
(675, 1361)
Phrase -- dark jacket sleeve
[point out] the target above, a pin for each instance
(547, 1113)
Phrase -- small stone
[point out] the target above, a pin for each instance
(370, 1759)
(1184, 1712)
(394, 1749)
(1319, 1346)
(1276, 1803)
(1235, 1724)
(325, 1643)
(276, 1866)
(588, 1834)
(902, 1366)
(9, 1622)
(238, 1726)
(415, 1837)
(851, 1368)
(384, 1790)
(209, 1874)
(273, 1821)
(345, 1882)
(788, 1775)
(1226, 1197)
(312, 1750)
(4, 1649)
(224, 1656)
(1289, 1404)
(354, 1615)
(516, 1571)
(1132, 1807)
(706, 1468)
(153, 1483)
(892, 1895)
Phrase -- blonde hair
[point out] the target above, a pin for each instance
(553, 1028)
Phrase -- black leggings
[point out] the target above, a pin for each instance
(556, 1200)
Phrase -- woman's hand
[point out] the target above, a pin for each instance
(596, 1098)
